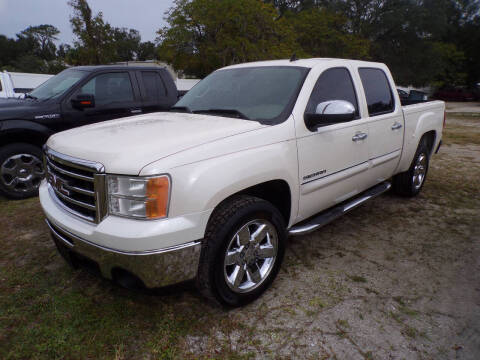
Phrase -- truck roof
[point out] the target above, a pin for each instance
(116, 67)
(308, 63)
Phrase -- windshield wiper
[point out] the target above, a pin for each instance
(180, 109)
(229, 112)
(28, 96)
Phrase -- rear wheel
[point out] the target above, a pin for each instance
(242, 251)
(410, 182)
(21, 170)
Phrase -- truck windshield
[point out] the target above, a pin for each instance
(265, 93)
(57, 85)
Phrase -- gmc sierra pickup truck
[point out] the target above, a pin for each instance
(75, 97)
(211, 190)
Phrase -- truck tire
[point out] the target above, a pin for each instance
(410, 182)
(21, 170)
(242, 251)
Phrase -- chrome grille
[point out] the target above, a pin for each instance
(77, 185)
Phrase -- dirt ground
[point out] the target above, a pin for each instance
(394, 279)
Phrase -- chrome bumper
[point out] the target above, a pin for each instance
(154, 268)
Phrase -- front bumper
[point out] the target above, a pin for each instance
(155, 268)
(159, 252)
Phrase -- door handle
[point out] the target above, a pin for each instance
(359, 136)
(396, 126)
(135, 111)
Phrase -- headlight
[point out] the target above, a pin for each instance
(138, 197)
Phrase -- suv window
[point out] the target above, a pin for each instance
(109, 88)
(377, 91)
(333, 84)
(153, 84)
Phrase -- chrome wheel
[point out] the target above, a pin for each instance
(419, 171)
(250, 256)
(21, 173)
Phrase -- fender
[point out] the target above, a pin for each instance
(21, 125)
(202, 185)
(430, 120)
(24, 128)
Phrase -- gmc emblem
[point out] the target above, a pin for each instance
(58, 184)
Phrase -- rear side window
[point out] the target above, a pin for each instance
(377, 91)
(333, 84)
(153, 84)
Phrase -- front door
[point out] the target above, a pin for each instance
(333, 159)
(114, 98)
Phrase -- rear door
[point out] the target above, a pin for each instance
(156, 90)
(385, 122)
(115, 97)
(333, 159)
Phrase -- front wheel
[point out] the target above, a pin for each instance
(242, 251)
(21, 170)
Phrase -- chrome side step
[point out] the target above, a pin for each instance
(329, 215)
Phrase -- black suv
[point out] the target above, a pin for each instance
(75, 97)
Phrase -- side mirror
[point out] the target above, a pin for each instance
(330, 112)
(83, 101)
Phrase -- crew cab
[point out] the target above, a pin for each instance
(75, 97)
(253, 153)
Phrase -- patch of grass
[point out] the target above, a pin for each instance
(407, 311)
(357, 278)
(317, 303)
(395, 317)
(410, 331)
(461, 135)
(343, 323)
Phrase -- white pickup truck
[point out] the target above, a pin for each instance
(253, 153)
(15, 85)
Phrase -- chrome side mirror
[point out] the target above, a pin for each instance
(330, 112)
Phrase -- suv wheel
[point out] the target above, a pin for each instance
(21, 170)
(242, 250)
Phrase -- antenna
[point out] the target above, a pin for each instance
(294, 57)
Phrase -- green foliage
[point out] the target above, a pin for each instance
(94, 44)
(43, 37)
(423, 42)
(323, 33)
(204, 35)
(97, 42)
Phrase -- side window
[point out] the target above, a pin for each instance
(333, 84)
(377, 91)
(153, 84)
(109, 88)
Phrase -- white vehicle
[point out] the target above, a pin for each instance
(184, 85)
(211, 190)
(15, 85)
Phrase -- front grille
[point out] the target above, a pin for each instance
(77, 185)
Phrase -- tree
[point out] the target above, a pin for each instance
(94, 44)
(146, 51)
(126, 43)
(97, 41)
(44, 37)
(206, 34)
(323, 33)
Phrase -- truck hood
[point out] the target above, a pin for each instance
(124, 146)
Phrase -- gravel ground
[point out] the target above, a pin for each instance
(394, 279)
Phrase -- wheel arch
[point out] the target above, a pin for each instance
(277, 192)
(21, 131)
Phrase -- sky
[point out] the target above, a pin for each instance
(145, 16)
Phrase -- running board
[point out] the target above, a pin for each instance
(329, 215)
